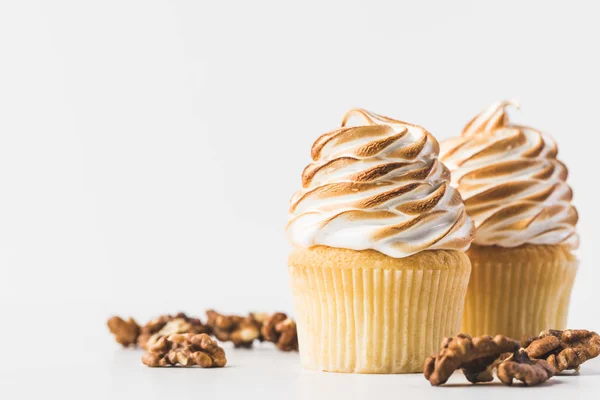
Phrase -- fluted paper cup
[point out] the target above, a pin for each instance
(518, 291)
(365, 312)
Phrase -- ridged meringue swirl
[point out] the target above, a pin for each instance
(378, 184)
(514, 187)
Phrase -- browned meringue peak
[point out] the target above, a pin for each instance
(491, 119)
(376, 183)
(514, 187)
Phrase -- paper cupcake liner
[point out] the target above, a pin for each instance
(520, 297)
(367, 320)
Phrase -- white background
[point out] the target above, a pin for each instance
(148, 149)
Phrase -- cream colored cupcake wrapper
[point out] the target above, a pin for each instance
(369, 320)
(518, 298)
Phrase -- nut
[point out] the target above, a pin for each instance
(519, 366)
(186, 350)
(281, 330)
(476, 357)
(169, 324)
(126, 332)
(241, 331)
(564, 349)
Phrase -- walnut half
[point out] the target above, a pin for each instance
(476, 357)
(186, 350)
(564, 349)
(519, 366)
(165, 325)
(241, 331)
(281, 330)
(126, 332)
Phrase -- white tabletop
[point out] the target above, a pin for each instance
(109, 372)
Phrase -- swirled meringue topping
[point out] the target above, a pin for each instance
(376, 183)
(514, 187)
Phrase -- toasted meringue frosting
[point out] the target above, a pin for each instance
(514, 187)
(376, 183)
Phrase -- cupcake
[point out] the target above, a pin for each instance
(378, 270)
(516, 192)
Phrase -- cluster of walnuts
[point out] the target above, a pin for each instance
(171, 340)
(532, 361)
(243, 331)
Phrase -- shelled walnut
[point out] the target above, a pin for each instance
(476, 357)
(185, 350)
(169, 324)
(241, 331)
(126, 332)
(281, 330)
(563, 349)
(519, 366)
